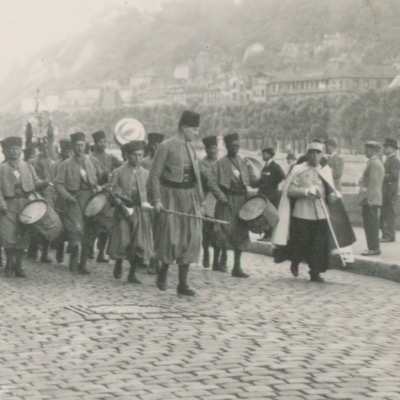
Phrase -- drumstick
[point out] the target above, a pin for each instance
(23, 215)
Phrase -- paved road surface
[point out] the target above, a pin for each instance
(65, 336)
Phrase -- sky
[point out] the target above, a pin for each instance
(26, 26)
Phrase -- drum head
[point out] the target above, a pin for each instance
(253, 208)
(33, 212)
(96, 205)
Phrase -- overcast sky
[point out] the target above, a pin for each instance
(26, 26)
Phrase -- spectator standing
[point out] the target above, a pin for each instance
(390, 191)
(371, 196)
(335, 161)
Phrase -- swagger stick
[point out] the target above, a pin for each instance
(332, 231)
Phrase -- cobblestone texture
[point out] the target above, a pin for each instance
(271, 336)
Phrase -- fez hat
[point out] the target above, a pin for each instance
(209, 141)
(11, 141)
(155, 137)
(134, 145)
(391, 143)
(373, 144)
(231, 138)
(98, 135)
(189, 118)
(269, 150)
(331, 142)
(314, 145)
(75, 137)
(65, 144)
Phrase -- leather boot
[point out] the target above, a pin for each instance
(294, 268)
(132, 278)
(237, 271)
(206, 257)
(45, 253)
(9, 269)
(118, 269)
(33, 250)
(162, 277)
(19, 272)
(223, 261)
(73, 258)
(60, 252)
(183, 288)
(82, 268)
(101, 246)
(152, 269)
(216, 266)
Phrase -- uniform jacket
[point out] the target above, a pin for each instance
(222, 174)
(371, 182)
(271, 176)
(168, 164)
(69, 178)
(131, 182)
(28, 179)
(337, 165)
(391, 180)
(43, 168)
(147, 162)
(205, 170)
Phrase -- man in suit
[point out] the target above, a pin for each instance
(335, 162)
(371, 196)
(390, 191)
(271, 176)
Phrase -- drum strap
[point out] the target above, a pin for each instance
(236, 166)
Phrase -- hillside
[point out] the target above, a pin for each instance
(124, 42)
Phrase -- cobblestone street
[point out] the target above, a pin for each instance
(67, 336)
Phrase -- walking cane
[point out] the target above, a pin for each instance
(332, 231)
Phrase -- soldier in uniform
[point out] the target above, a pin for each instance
(210, 144)
(18, 181)
(175, 184)
(154, 140)
(65, 152)
(42, 164)
(77, 179)
(107, 163)
(390, 191)
(228, 182)
(131, 235)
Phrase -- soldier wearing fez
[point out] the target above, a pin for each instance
(131, 236)
(210, 144)
(154, 139)
(65, 152)
(175, 184)
(107, 163)
(228, 182)
(42, 164)
(18, 181)
(77, 179)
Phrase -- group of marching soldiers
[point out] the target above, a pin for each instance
(143, 195)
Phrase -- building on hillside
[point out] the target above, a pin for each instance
(331, 82)
(49, 103)
(79, 99)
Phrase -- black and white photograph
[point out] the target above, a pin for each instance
(199, 199)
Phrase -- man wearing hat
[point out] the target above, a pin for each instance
(335, 161)
(230, 176)
(371, 196)
(175, 184)
(77, 180)
(303, 228)
(210, 144)
(42, 164)
(154, 139)
(107, 163)
(131, 236)
(65, 152)
(18, 181)
(390, 191)
(271, 176)
(291, 160)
